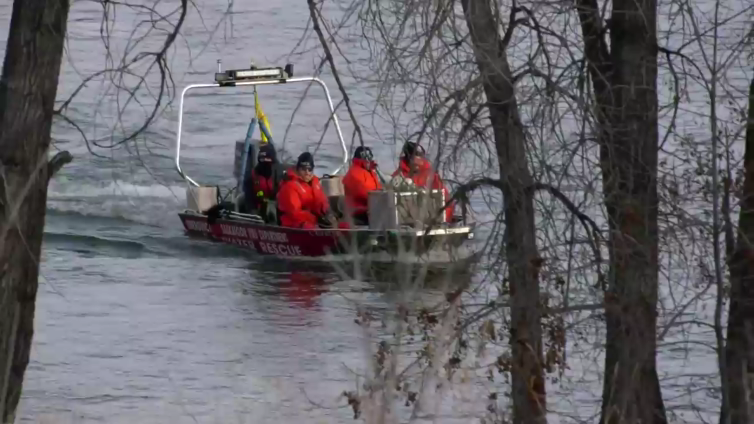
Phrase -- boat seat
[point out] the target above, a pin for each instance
(337, 204)
(272, 218)
(240, 202)
(239, 205)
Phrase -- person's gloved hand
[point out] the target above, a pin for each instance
(323, 222)
(327, 220)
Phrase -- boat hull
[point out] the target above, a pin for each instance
(276, 240)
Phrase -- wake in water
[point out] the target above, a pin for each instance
(152, 205)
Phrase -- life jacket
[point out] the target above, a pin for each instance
(420, 179)
(300, 203)
(358, 182)
(264, 185)
(268, 186)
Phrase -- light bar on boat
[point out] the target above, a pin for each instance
(236, 75)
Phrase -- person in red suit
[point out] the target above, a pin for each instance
(414, 165)
(360, 179)
(301, 201)
(263, 182)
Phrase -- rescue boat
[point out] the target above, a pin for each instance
(400, 221)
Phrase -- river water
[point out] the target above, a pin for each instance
(136, 323)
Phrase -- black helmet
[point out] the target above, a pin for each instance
(305, 160)
(364, 153)
(411, 149)
(266, 151)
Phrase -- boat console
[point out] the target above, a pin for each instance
(393, 209)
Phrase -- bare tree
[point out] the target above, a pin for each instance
(464, 78)
(624, 78)
(529, 399)
(739, 349)
(28, 90)
(512, 119)
(707, 65)
(574, 93)
(27, 98)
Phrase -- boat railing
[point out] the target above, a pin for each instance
(247, 217)
(251, 78)
(403, 229)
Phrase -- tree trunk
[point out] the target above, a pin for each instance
(625, 85)
(27, 98)
(529, 399)
(739, 349)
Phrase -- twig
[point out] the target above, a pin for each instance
(336, 75)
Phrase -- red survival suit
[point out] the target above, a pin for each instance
(262, 183)
(420, 179)
(261, 188)
(300, 203)
(360, 179)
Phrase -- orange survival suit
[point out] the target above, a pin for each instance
(302, 204)
(415, 153)
(360, 179)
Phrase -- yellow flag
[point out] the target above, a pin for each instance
(261, 117)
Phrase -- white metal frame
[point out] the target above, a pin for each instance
(242, 83)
